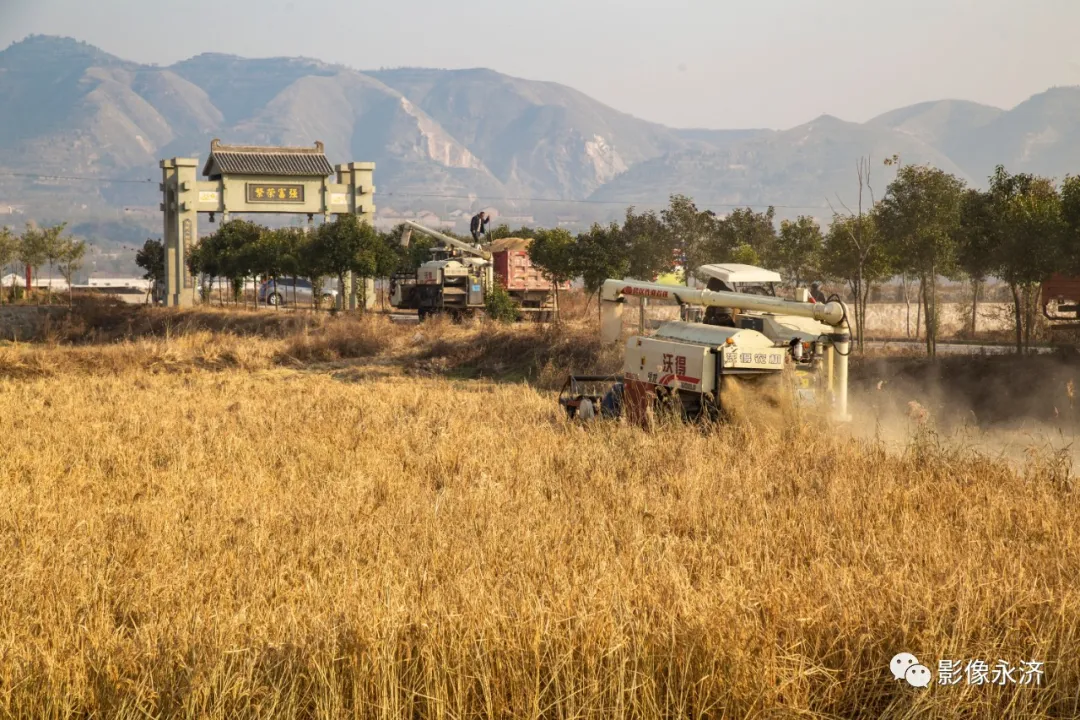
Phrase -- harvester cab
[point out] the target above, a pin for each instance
(690, 363)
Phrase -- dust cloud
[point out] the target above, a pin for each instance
(1010, 407)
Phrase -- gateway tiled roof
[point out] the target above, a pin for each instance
(256, 160)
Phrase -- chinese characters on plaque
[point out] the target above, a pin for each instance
(274, 193)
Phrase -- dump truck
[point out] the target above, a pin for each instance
(530, 289)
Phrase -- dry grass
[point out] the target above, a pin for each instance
(219, 340)
(212, 526)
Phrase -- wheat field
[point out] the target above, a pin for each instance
(333, 525)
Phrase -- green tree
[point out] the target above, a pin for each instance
(976, 248)
(554, 253)
(201, 261)
(270, 256)
(229, 251)
(292, 240)
(312, 266)
(601, 254)
(374, 258)
(649, 246)
(691, 232)
(853, 253)
(411, 253)
(500, 305)
(798, 249)
(919, 221)
(1030, 218)
(53, 245)
(151, 258)
(1070, 209)
(70, 260)
(9, 250)
(32, 251)
(504, 231)
(748, 237)
(342, 246)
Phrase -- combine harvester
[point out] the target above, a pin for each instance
(689, 365)
(458, 277)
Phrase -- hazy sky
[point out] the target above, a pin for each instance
(691, 63)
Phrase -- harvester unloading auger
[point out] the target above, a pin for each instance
(689, 364)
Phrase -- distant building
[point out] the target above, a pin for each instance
(134, 283)
(39, 282)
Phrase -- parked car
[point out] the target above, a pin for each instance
(285, 292)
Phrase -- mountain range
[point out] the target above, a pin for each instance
(462, 139)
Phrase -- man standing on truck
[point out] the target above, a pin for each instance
(479, 224)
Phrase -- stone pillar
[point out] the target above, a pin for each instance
(362, 188)
(363, 193)
(179, 185)
(171, 229)
(358, 176)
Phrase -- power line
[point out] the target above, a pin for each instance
(444, 196)
(76, 177)
(589, 202)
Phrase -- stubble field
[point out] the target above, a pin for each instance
(345, 521)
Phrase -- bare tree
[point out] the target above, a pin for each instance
(9, 249)
(855, 233)
(70, 259)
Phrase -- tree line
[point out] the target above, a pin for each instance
(38, 246)
(239, 250)
(926, 226)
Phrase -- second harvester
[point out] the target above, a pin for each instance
(459, 276)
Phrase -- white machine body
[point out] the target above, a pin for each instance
(683, 356)
(680, 356)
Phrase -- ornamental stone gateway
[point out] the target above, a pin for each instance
(255, 179)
